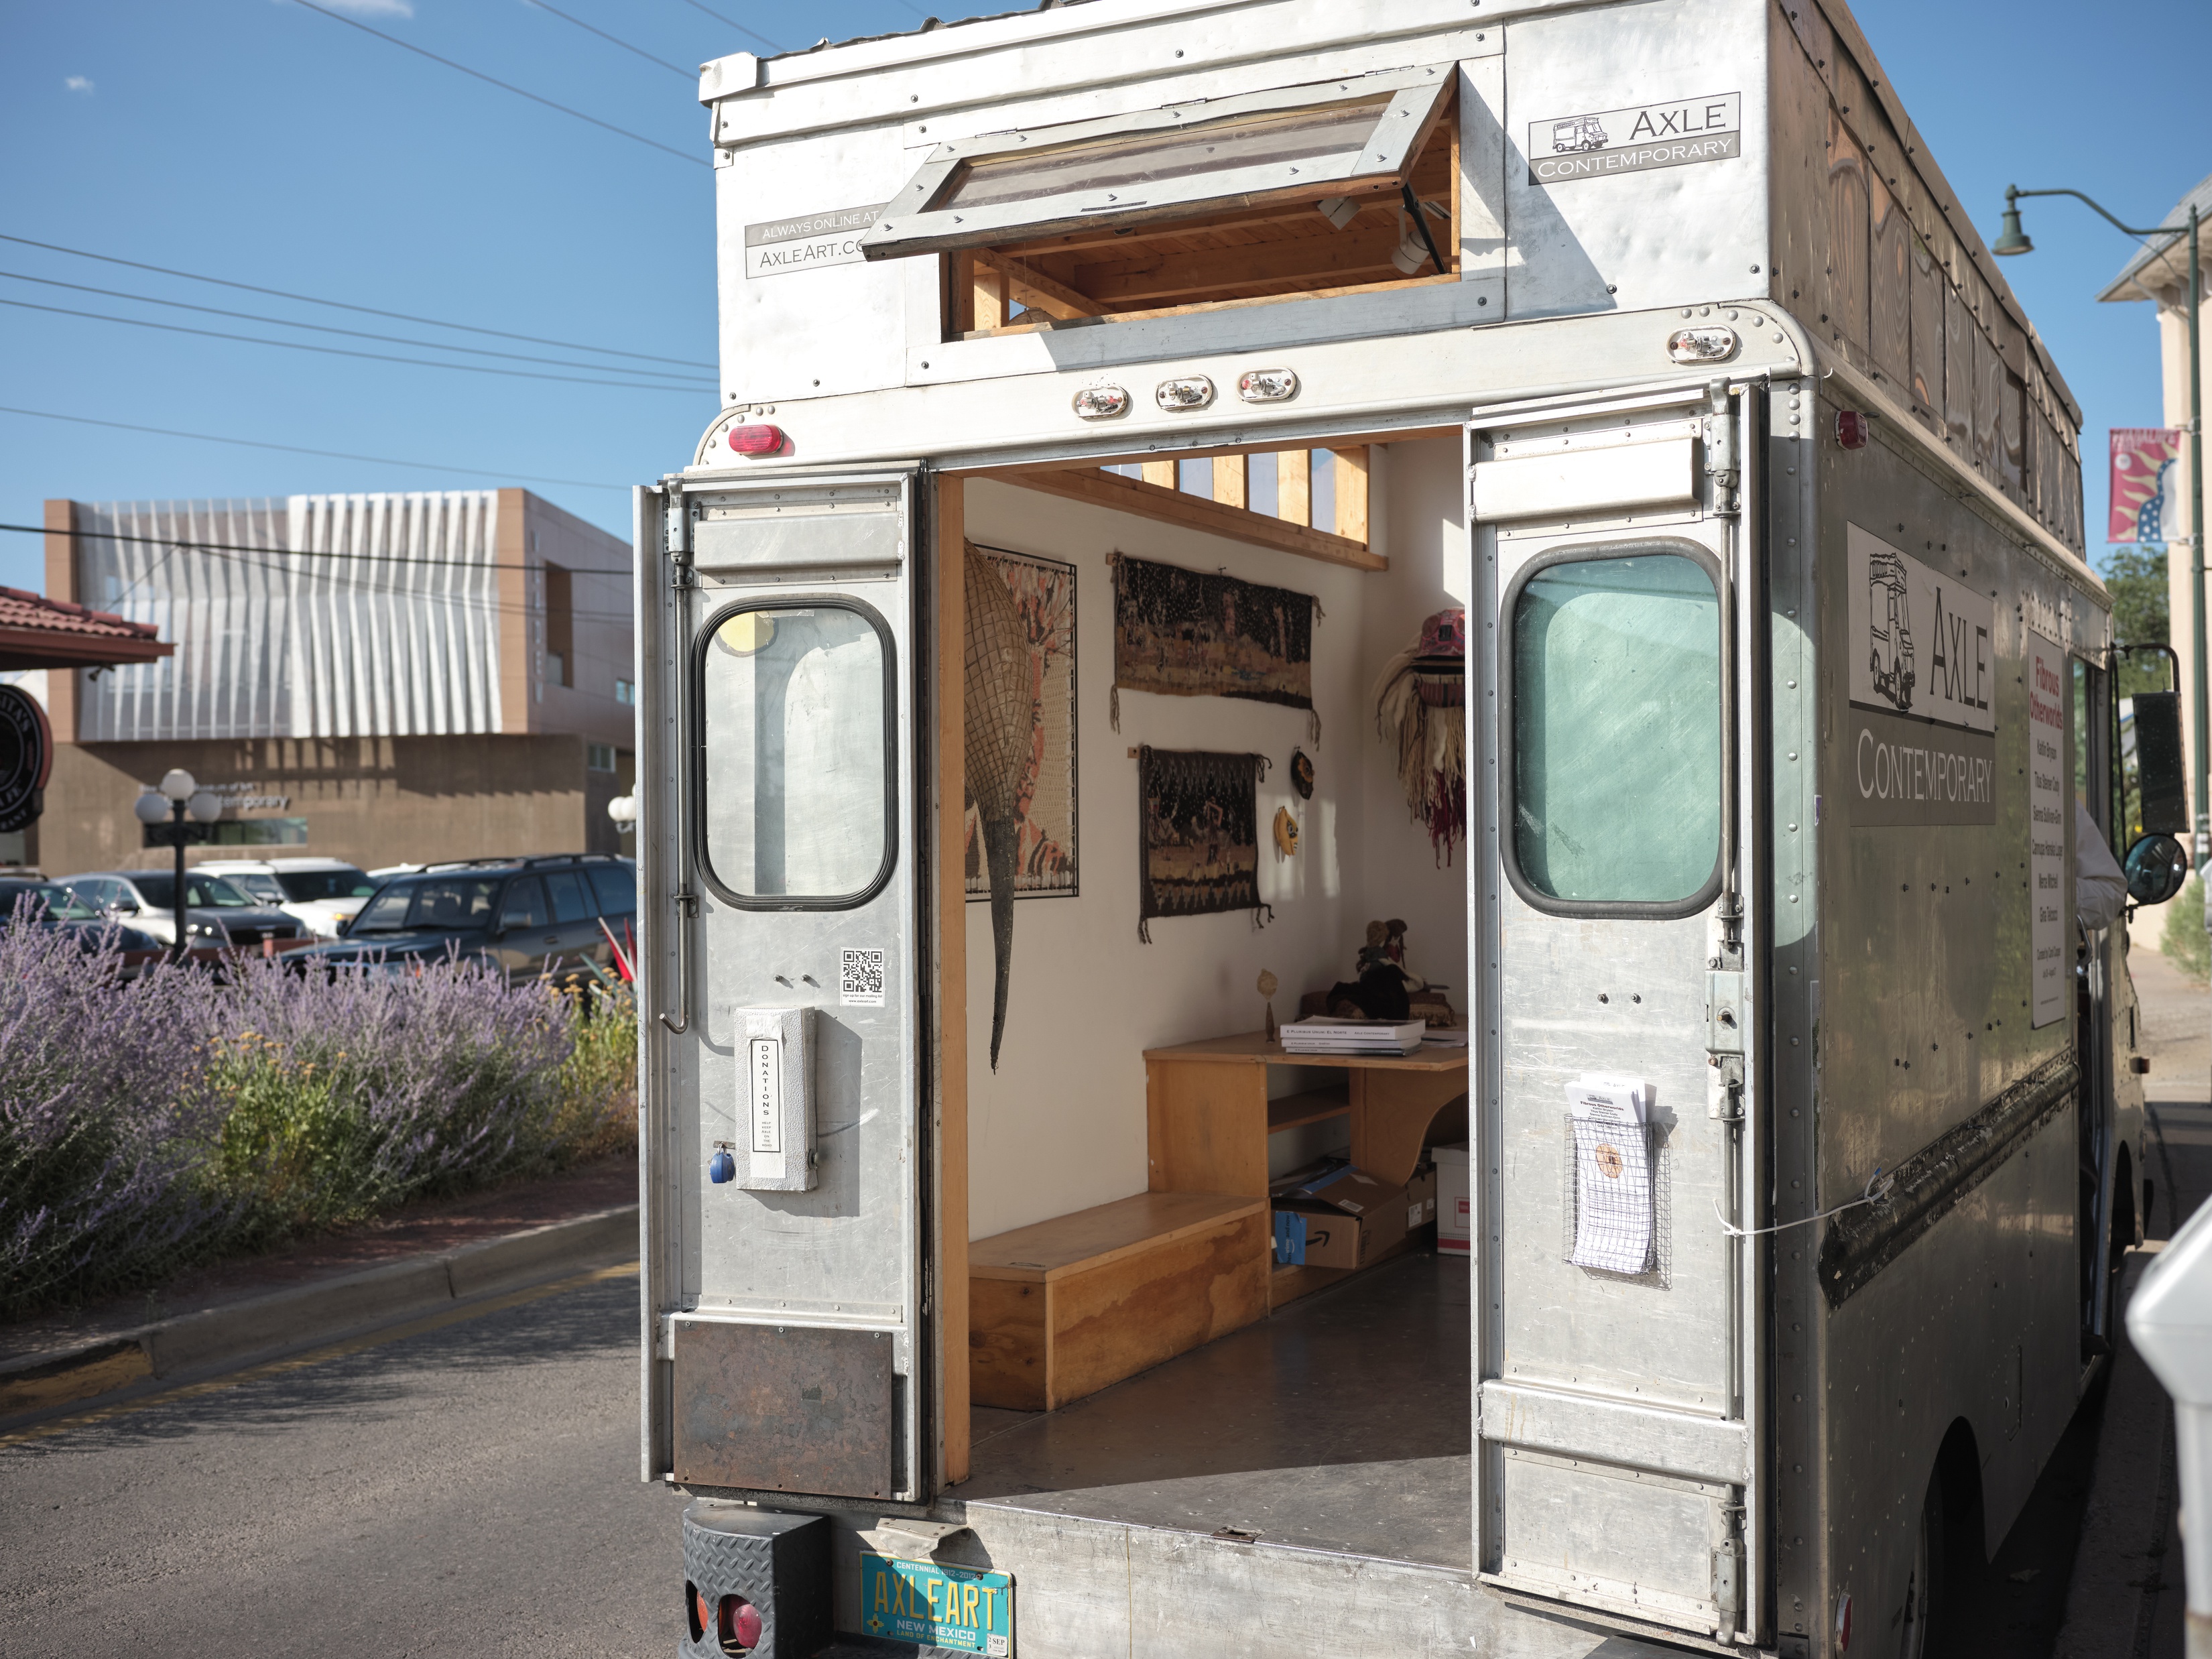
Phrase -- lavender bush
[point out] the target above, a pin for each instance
(142, 1125)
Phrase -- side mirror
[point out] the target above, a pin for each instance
(2155, 866)
(123, 907)
(2159, 764)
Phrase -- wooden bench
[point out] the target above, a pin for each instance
(1064, 1308)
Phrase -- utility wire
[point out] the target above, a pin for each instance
(693, 375)
(728, 22)
(393, 40)
(173, 543)
(296, 449)
(674, 68)
(341, 351)
(340, 305)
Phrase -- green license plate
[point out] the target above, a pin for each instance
(961, 1608)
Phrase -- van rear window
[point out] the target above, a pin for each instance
(1615, 677)
(795, 739)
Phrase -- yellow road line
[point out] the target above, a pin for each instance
(319, 1355)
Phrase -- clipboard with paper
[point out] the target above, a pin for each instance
(1609, 1123)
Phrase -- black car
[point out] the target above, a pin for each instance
(51, 905)
(555, 917)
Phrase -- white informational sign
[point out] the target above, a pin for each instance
(764, 1078)
(2047, 686)
(1920, 640)
(1613, 1173)
(776, 247)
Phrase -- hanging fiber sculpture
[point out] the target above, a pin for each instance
(1421, 702)
(999, 718)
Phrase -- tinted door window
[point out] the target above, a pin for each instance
(524, 905)
(616, 887)
(458, 902)
(571, 902)
(1616, 731)
(385, 913)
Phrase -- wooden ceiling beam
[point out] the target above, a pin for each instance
(1150, 500)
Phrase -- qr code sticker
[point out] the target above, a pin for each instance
(860, 978)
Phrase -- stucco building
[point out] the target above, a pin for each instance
(378, 678)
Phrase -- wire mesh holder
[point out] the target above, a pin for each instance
(1613, 1151)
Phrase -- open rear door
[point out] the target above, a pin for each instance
(1618, 908)
(784, 1139)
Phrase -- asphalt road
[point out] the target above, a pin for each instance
(468, 1489)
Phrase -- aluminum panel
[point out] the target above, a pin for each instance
(1582, 481)
(1616, 1431)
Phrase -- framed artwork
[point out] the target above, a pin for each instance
(1044, 784)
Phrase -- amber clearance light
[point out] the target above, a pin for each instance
(758, 440)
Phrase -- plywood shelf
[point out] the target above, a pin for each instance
(1295, 1111)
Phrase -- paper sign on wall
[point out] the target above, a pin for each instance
(1613, 1173)
(2048, 680)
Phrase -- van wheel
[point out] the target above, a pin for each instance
(1924, 1592)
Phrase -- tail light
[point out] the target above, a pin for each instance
(741, 1626)
(1844, 1622)
(758, 440)
(1853, 429)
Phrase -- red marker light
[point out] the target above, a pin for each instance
(1844, 1622)
(741, 1623)
(758, 440)
(1853, 429)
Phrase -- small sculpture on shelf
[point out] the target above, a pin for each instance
(1386, 987)
(1268, 984)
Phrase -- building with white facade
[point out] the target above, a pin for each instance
(375, 678)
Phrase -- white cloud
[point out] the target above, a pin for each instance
(79, 83)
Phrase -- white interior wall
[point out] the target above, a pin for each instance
(1060, 1126)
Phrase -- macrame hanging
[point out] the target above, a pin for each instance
(1420, 703)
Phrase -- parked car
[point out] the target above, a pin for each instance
(555, 916)
(217, 914)
(323, 893)
(52, 905)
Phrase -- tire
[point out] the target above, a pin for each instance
(1925, 1592)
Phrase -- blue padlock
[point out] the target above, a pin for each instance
(721, 1167)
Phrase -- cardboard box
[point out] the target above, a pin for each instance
(1332, 1215)
(1454, 1229)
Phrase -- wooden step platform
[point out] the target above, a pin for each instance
(1066, 1307)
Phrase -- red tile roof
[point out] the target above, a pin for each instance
(37, 632)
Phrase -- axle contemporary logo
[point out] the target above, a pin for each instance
(1921, 641)
(777, 246)
(1608, 141)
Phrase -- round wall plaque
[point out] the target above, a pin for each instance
(26, 756)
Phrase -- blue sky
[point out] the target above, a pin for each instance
(257, 141)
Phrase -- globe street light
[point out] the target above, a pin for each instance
(176, 798)
(2012, 239)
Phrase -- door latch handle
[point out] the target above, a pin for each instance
(687, 905)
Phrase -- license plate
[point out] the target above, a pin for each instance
(962, 1609)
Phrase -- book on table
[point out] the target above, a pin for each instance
(1352, 1036)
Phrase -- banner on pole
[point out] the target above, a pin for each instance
(2143, 468)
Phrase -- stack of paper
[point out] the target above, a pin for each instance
(1613, 1173)
(1352, 1036)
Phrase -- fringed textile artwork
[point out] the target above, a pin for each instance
(1200, 845)
(1421, 704)
(1186, 634)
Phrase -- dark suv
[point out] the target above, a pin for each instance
(531, 917)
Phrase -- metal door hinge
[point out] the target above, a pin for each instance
(1724, 1087)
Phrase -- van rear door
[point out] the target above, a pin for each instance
(784, 1146)
(1616, 911)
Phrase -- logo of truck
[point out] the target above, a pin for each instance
(1889, 654)
(1579, 132)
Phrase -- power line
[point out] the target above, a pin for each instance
(341, 304)
(296, 449)
(340, 351)
(693, 375)
(393, 40)
(731, 23)
(663, 63)
(174, 542)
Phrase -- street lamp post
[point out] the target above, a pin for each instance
(186, 805)
(2012, 239)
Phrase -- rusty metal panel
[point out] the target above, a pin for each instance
(784, 1408)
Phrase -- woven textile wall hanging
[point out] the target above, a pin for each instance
(1199, 848)
(1420, 705)
(1185, 634)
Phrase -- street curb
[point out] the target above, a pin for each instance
(309, 1313)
